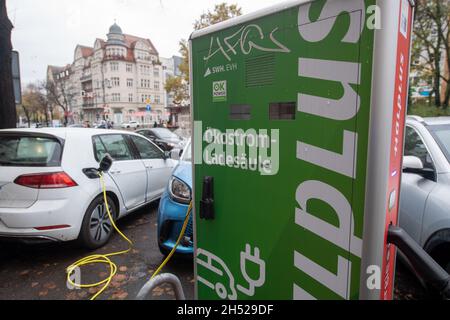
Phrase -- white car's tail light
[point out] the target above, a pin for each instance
(56, 180)
(49, 228)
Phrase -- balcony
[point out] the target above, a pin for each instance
(88, 105)
(86, 77)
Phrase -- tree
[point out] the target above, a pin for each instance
(179, 86)
(8, 117)
(432, 45)
(221, 13)
(59, 94)
(35, 104)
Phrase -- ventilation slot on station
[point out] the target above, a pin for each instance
(240, 112)
(282, 111)
(260, 71)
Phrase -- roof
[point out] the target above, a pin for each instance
(437, 121)
(132, 40)
(115, 29)
(62, 132)
(56, 69)
(431, 121)
(252, 16)
(86, 51)
(102, 42)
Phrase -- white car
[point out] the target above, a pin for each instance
(48, 190)
(131, 125)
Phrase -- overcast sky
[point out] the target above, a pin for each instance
(47, 31)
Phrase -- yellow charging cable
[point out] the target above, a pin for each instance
(105, 258)
(100, 258)
(183, 230)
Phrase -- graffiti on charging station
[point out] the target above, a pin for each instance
(226, 289)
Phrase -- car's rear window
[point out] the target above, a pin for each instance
(29, 151)
(164, 133)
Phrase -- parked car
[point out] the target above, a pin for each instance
(47, 191)
(164, 138)
(131, 125)
(425, 194)
(183, 133)
(174, 205)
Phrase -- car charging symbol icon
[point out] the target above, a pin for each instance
(247, 256)
(225, 288)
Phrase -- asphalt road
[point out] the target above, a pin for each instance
(38, 272)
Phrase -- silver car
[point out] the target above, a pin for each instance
(425, 195)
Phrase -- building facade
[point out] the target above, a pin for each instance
(179, 114)
(118, 80)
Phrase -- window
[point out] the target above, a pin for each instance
(146, 97)
(16, 150)
(145, 83)
(113, 144)
(129, 83)
(129, 67)
(115, 82)
(156, 85)
(130, 97)
(414, 146)
(441, 134)
(157, 99)
(148, 134)
(146, 149)
(116, 97)
(114, 66)
(156, 72)
(99, 149)
(164, 133)
(187, 154)
(145, 70)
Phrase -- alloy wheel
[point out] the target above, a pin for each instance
(100, 226)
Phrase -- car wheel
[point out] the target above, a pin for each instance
(442, 257)
(97, 228)
(447, 267)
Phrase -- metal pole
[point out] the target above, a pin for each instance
(428, 269)
(168, 278)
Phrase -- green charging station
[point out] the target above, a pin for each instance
(298, 115)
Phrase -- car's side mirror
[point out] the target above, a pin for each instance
(411, 162)
(166, 155)
(175, 154)
(414, 165)
(105, 163)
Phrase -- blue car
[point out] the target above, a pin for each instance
(173, 208)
